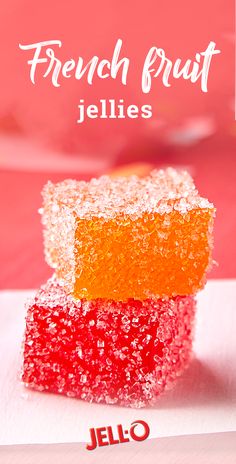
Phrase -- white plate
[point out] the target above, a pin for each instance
(203, 401)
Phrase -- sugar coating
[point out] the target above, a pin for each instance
(132, 237)
(106, 351)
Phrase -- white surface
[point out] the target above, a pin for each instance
(203, 401)
(213, 448)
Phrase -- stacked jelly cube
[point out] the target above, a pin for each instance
(115, 322)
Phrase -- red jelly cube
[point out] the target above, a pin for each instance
(106, 351)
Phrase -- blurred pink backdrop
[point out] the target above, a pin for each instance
(39, 137)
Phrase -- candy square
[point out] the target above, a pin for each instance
(106, 351)
(129, 237)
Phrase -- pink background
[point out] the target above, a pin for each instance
(188, 128)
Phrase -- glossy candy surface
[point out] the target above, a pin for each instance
(106, 351)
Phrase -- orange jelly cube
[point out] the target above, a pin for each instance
(129, 237)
